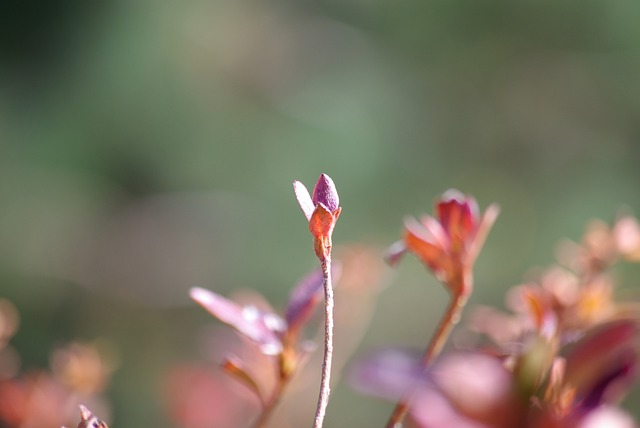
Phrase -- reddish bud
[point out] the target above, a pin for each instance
(322, 211)
(459, 217)
(449, 244)
(325, 193)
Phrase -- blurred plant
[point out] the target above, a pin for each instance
(322, 211)
(36, 398)
(89, 420)
(276, 337)
(198, 397)
(279, 337)
(565, 356)
(448, 245)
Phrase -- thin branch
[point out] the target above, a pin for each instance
(268, 407)
(449, 319)
(325, 389)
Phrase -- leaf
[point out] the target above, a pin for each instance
(305, 296)
(604, 350)
(418, 241)
(388, 373)
(261, 327)
(321, 222)
(304, 199)
(233, 367)
(321, 226)
(489, 217)
(395, 253)
(458, 216)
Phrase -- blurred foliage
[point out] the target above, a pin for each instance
(146, 148)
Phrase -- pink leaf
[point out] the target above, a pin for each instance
(388, 373)
(263, 328)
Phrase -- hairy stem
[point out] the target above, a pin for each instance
(439, 338)
(323, 398)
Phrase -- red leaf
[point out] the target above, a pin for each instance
(418, 241)
(321, 226)
(459, 217)
(234, 367)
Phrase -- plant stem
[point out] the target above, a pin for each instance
(323, 398)
(268, 407)
(439, 338)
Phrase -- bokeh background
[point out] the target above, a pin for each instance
(147, 147)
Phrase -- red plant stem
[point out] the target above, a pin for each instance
(268, 407)
(325, 389)
(439, 338)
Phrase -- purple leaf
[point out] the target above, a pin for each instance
(474, 383)
(606, 355)
(395, 253)
(305, 297)
(261, 327)
(325, 193)
(389, 374)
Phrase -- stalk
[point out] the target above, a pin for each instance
(323, 398)
(449, 319)
(268, 407)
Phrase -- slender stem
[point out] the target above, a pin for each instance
(449, 319)
(268, 407)
(323, 398)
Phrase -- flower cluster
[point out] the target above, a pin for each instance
(563, 358)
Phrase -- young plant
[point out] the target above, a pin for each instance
(89, 420)
(448, 245)
(322, 211)
(275, 336)
(563, 359)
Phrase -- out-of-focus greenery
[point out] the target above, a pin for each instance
(146, 147)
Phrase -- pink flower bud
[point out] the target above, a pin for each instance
(325, 193)
(322, 211)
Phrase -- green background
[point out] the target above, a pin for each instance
(146, 147)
